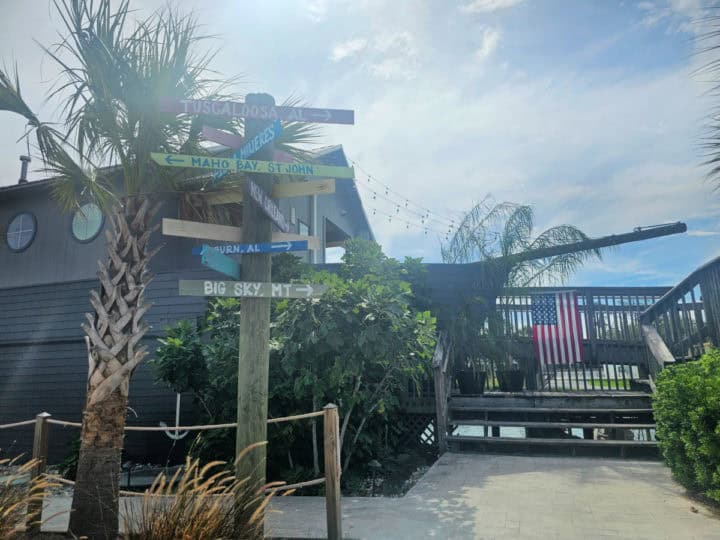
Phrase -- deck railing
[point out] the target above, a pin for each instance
(614, 354)
(678, 325)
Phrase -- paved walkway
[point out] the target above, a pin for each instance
(472, 496)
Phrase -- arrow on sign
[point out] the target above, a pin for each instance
(308, 290)
(171, 160)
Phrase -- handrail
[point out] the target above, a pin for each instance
(679, 287)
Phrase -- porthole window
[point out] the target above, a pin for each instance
(21, 231)
(87, 222)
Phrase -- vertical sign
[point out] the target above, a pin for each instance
(267, 205)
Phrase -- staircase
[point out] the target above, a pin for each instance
(601, 423)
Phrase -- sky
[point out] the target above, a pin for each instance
(591, 112)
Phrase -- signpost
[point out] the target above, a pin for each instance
(269, 113)
(251, 165)
(212, 258)
(263, 200)
(249, 289)
(267, 247)
(259, 213)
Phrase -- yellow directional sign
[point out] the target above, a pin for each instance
(252, 166)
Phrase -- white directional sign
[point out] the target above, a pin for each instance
(239, 289)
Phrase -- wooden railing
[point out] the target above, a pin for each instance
(678, 325)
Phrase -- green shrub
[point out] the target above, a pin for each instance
(687, 412)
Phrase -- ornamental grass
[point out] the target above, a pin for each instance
(200, 503)
(17, 491)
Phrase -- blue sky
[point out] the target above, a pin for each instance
(589, 111)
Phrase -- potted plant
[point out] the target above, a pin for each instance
(471, 376)
(498, 343)
(510, 379)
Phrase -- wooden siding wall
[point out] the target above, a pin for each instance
(44, 363)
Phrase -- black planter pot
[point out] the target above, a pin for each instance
(471, 382)
(510, 380)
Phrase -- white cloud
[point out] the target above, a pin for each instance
(347, 48)
(487, 6)
(316, 10)
(490, 41)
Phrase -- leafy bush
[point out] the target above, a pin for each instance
(200, 503)
(687, 412)
(358, 346)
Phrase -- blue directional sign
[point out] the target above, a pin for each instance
(248, 149)
(267, 247)
(212, 258)
(266, 136)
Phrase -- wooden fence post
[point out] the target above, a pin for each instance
(331, 428)
(40, 449)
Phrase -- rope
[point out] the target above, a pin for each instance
(63, 422)
(298, 485)
(17, 424)
(296, 417)
(178, 428)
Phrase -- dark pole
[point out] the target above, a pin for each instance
(253, 364)
(597, 243)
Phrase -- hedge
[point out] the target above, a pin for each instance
(687, 412)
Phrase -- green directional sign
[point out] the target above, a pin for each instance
(238, 289)
(252, 166)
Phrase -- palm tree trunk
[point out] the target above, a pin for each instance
(113, 334)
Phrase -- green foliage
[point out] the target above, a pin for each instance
(687, 412)
(359, 346)
(179, 359)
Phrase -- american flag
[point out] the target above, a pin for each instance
(557, 330)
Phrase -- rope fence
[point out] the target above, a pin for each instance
(331, 445)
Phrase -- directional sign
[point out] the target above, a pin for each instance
(257, 194)
(208, 287)
(222, 137)
(237, 109)
(213, 258)
(267, 247)
(266, 136)
(252, 166)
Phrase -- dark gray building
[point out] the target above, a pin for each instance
(48, 263)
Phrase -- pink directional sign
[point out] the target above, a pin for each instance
(222, 137)
(261, 112)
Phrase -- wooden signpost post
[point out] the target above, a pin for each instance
(258, 242)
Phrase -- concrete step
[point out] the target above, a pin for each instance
(621, 448)
(565, 400)
(553, 410)
(550, 425)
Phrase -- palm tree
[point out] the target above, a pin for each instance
(112, 77)
(501, 236)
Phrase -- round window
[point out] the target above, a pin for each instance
(21, 231)
(87, 222)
